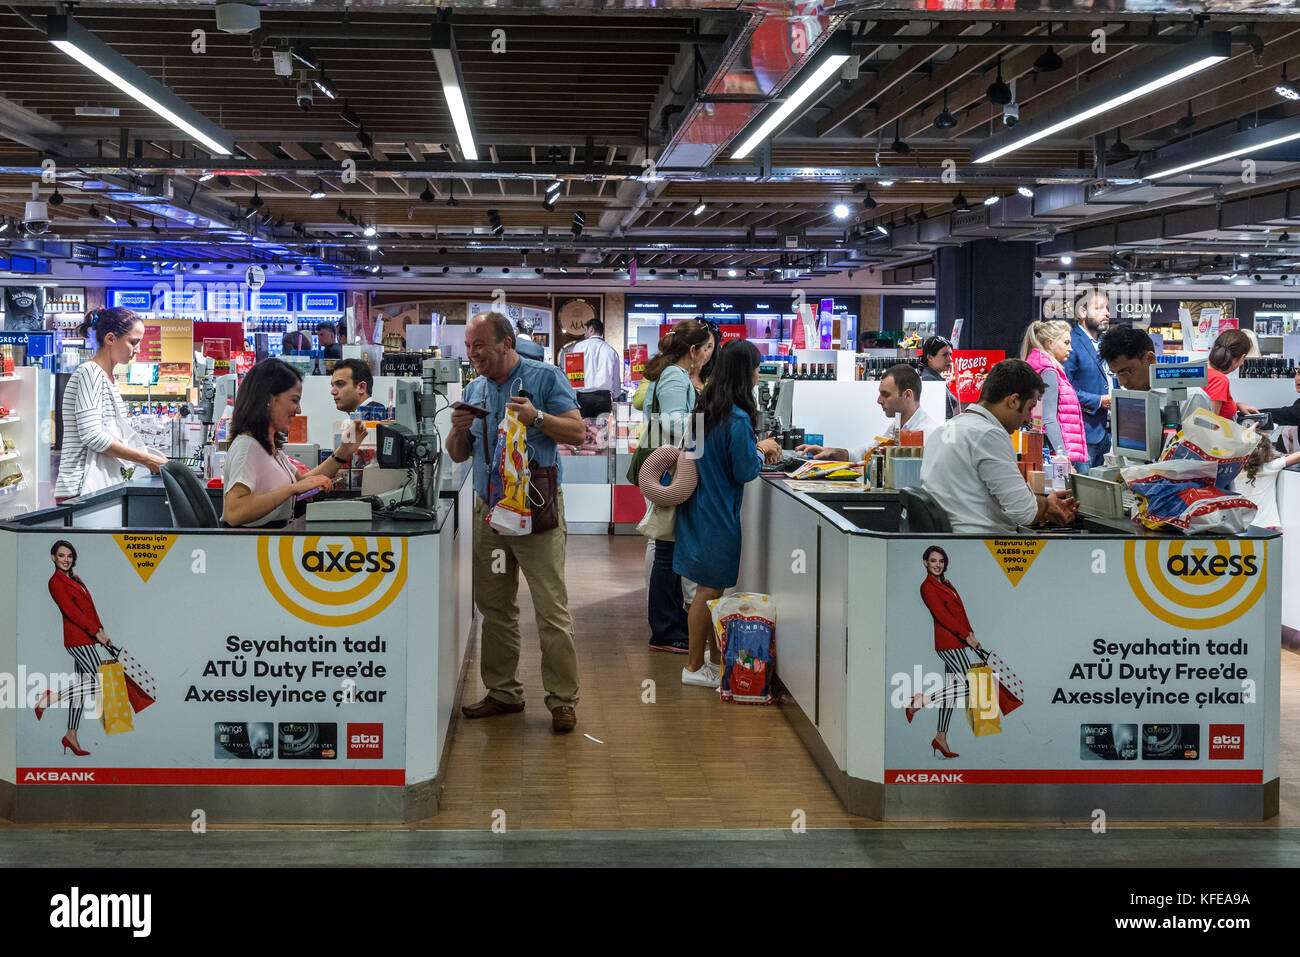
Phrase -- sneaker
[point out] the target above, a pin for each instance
(679, 647)
(706, 677)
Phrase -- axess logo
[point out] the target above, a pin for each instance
(1200, 562)
(1227, 742)
(326, 560)
(365, 741)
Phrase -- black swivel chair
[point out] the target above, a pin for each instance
(187, 499)
(921, 513)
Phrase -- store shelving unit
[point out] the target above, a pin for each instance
(18, 393)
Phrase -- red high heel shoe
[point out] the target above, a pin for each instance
(40, 709)
(75, 750)
(913, 709)
(942, 750)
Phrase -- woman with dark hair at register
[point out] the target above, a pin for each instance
(952, 636)
(82, 634)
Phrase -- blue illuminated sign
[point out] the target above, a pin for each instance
(320, 302)
(141, 300)
(271, 301)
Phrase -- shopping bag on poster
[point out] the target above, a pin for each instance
(509, 512)
(116, 713)
(982, 701)
(141, 689)
(1011, 690)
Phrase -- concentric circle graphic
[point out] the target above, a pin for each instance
(333, 581)
(1197, 583)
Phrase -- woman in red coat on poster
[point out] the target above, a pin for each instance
(952, 636)
(82, 634)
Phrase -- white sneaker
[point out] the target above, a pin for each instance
(706, 677)
(708, 658)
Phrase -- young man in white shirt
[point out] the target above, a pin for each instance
(1131, 353)
(899, 397)
(970, 464)
(602, 365)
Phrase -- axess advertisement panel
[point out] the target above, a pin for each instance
(299, 678)
(1134, 661)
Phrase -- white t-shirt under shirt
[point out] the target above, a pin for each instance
(1263, 492)
(247, 464)
(919, 422)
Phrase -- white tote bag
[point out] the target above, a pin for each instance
(103, 470)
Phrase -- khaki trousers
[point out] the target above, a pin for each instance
(498, 560)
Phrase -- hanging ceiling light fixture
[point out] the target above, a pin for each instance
(319, 191)
(898, 146)
(447, 60)
(1026, 191)
(945, 120)
(1119, 150)
(1049, 61)
(427, 195)
(999, 93)
(960, 204)
(452, 201)
(868, 202)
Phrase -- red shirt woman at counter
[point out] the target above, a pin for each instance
(1228, 353)
(952, 636)
(83, 632)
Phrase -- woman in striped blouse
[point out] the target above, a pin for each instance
(94, 443)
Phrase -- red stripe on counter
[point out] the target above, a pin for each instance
(382, 777)
(1100, 776)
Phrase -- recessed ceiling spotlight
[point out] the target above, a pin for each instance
(884, 182)
(992, 199)
(369, 231)
(372, 246)
(1025, 191)
(731, 273)
(1066, 260)
(841, 211)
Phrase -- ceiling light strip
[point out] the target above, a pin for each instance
(823, 72)
(447, 61)
(98, 57)
(1205, 53)
(1211, 160)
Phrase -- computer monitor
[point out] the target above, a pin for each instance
(1136, 427)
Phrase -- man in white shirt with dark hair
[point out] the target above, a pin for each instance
(900, 399)
(970, 464)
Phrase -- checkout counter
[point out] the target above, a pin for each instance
(1148, 663)
(304, 675)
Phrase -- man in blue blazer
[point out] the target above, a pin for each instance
(1087, 372)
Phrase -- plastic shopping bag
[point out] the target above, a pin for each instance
(508, 509)
(1207, 437)
(982, 701)
(117, 707)
(1182, 494)
(746, 628)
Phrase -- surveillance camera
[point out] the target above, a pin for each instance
(304, 95)
(36, 218)
(1011, 114)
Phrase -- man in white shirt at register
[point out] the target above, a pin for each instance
(970, 464)
(899, 397)
(602, 365)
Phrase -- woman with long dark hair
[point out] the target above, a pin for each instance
(952, 636)
(260, 480)
(96, 436)
(83, 633)
(707, 550)
(670, 400)
(936, 359)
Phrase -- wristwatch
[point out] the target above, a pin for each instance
(336, 458)
(537, 422)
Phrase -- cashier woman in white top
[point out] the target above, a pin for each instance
(900, 398)
(970, 464)
(260, 480)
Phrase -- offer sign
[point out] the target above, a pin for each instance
(731, 332)
(573, 368)
(969, 370)
(635, 357)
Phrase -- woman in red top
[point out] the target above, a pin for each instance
(952, 636)
(1228, 353)
(82, 634)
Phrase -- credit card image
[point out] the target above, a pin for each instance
(242, 740)
(1108, 742)
(1171, 742)
(308, 741)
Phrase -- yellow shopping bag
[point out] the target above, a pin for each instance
(117, 707)
(982, 701)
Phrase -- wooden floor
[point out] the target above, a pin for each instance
(684, 761)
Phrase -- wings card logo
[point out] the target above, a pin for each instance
(365, 741)
(1196, 583)
(332, 581)
(1227, 742)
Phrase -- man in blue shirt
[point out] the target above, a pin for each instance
(542, 399)
(1087, 372)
